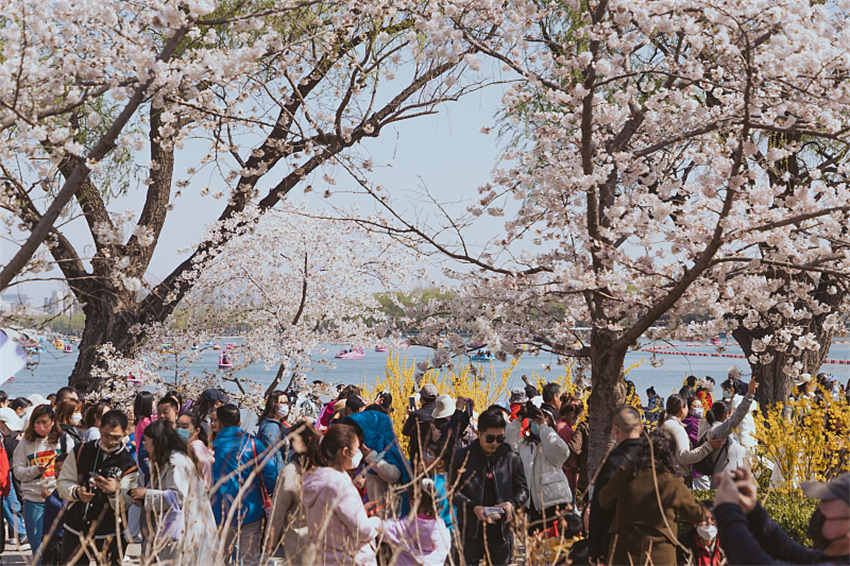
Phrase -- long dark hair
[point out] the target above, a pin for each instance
(337, 437)
(664, 450)
(143, 405)
(674, 407)
(311, 439)
(93, 413)
(36, 414)
(270, 412)
(196, 423)
(165, 441)
(717, 413)
(65, 410)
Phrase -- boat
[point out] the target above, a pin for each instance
(68, 349)
(353, 354)
(224, 361)
(380, 348)
(480, 356)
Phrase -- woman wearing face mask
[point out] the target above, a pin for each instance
(731, 455)
(286, 532)
(68, 422)
(693, 423)
(193, 434)
(543, 454)
(174, 481)
(272, 427)
(33, 465)
(702, 541)
(336, 518)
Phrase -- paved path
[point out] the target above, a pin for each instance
(12, 556)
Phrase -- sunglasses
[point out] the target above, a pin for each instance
(491, 438)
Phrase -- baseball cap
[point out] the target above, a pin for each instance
(429, 390)
(518, 396)
(214, 395)
(837, 488)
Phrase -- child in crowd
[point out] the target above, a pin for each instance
(702, 541)
(421, 539)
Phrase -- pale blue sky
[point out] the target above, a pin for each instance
(446, 152)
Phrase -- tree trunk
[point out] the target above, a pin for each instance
(105, 322)
(607, 393)
(774, 385)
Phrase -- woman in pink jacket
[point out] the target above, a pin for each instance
(336, 519)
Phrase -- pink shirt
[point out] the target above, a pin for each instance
(337, 519)
(139, 432)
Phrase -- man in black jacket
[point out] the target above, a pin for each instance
(490, 486)
(626, 428)
(419, 421)
(551, 406)
(749, 536)
(96, 479)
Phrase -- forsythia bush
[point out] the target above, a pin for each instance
(399, 381)
(805, 439)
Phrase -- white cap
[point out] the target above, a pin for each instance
(11, 418)
(37, 400)
(803, 378)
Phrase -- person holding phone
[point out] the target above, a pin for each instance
(97, 479)
(490, 487)
(33, 465)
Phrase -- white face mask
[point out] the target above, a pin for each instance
(707, 532)
(76, 419)
(698, 412)
(355, 461)
(282, 410)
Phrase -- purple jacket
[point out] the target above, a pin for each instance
(337, 520)
(418, 542)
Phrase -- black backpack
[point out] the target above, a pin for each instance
(706, 466)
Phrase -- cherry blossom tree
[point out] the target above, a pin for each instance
(650, 179)
(275, 91)
(316, 286)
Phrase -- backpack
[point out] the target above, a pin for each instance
(707, 465)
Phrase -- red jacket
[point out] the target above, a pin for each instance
(4, 469)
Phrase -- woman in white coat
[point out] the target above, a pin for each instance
(543, 453)
(176, 492)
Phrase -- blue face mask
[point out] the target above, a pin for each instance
(184, 433)
(534, 429)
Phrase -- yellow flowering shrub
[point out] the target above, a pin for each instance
(398, 380)
(805, 439)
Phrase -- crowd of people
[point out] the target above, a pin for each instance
(327, 480)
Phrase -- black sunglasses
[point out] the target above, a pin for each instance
(491, 438)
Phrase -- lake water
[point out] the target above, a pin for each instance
(54, 368)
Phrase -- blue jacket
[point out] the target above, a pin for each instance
(447, 513)
(378, 435)
(233, 448)
(270, 432)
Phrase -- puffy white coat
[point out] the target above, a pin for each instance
(543, 465)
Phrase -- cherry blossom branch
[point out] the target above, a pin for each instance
(81, 171)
